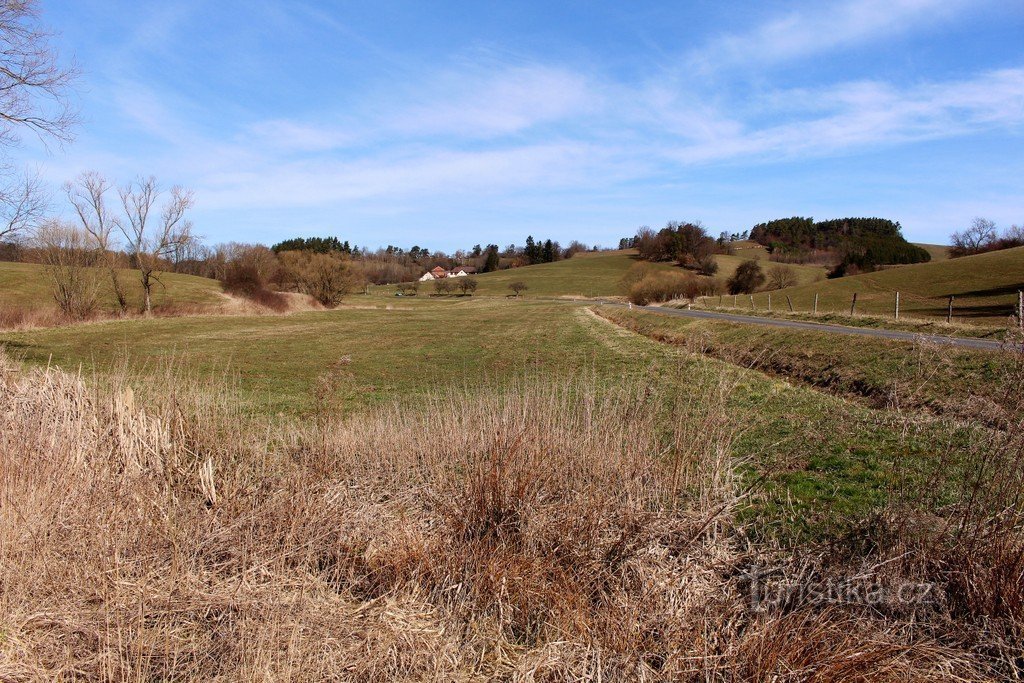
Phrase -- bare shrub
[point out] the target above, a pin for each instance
(443, 287)
(780, 277)
(243, 278)
(663, 285)
(326, 277)
(707, 266)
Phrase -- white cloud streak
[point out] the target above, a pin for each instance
(828, 26)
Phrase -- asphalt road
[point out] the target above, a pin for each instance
(963, 342)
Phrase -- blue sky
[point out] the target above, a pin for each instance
(446, 124)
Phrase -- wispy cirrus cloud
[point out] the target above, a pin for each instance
(822, 27)
(854, 117)
(477, 102)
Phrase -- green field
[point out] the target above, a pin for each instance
(389, 352)
(28, 285)
(984, 286)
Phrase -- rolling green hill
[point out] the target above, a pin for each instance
(27, 285)
(984, 286)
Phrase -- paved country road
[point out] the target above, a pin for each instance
(964, 342)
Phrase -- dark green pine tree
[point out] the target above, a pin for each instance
(492, 263)
(530, 251)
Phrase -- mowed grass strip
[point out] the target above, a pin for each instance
(28, 285)
(371, 355)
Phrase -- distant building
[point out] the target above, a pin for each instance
(440, 273)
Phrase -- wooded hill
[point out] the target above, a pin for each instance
(861, 242)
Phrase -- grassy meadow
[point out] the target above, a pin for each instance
(486, 488)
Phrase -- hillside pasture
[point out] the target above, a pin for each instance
(984, 286)
(28, 285)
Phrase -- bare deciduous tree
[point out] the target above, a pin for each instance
(87, 195)
(33, 84)
(151, 243)
(974, 239)
(67, 255)
(23, 203)
(33, 95)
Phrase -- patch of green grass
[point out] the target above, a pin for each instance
(28, 285)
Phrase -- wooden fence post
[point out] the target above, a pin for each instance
(769, 303)
(853, 305)
(815, 303)
(949, 311)
(897, 305)
(734, 305)
(752, 303)
(790, 302)
(720, 297)
(1020, 308)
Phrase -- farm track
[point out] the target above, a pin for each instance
(963, 342)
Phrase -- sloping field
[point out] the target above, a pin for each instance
(28, 285)
(984, 286)
(584, 275)
(938, 252)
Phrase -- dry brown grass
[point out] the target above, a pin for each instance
(542, 533)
